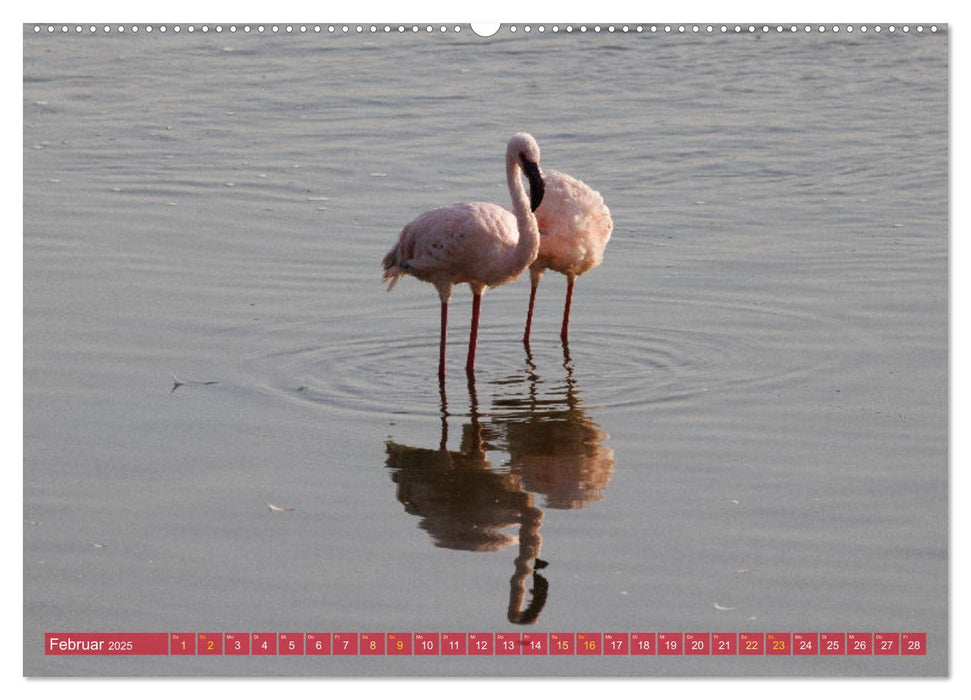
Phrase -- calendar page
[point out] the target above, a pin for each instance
(514, 350)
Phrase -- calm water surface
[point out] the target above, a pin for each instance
(746, 432)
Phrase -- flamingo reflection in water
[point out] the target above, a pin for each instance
(554, 445)
(466, 503)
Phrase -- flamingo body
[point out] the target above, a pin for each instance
(466, 243)
(574, 225)
(475, 243)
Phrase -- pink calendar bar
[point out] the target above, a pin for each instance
(488, 643)
(106, 643)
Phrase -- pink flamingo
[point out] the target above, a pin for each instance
(477, 243)
(574, 226)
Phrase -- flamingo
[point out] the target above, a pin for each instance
(475, 243)
(574, 226)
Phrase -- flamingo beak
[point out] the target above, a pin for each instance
(536, 186)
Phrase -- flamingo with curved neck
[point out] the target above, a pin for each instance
(476, 243)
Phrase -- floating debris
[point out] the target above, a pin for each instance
(279, 509)
(176, 383)
(725, 608)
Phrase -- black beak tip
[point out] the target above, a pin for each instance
(536, 192)
(536, 186)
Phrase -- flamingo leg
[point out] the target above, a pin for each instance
(529, 314)
(474, 333)
(441, 343)
(564, 330)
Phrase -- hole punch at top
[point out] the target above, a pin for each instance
(485, 29)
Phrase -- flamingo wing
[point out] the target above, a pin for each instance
(574, 225)
(460, 243)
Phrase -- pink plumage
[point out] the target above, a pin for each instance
(475, 243)
(574, 225)
(466, 243)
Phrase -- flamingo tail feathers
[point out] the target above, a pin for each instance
(394, 267)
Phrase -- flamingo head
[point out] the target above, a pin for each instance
(524, 150)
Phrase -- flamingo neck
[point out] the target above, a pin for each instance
(528, 247)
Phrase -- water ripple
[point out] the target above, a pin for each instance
(621, 366)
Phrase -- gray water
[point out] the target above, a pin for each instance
(746, 432)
